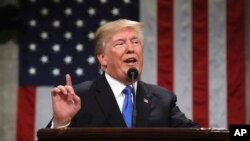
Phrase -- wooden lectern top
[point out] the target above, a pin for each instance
(125, 134)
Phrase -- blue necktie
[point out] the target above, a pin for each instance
(127, 108)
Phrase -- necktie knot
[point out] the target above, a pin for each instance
(127, 108)
(127, 90)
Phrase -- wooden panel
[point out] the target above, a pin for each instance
(122, 134)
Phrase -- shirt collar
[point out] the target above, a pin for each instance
(116, 86)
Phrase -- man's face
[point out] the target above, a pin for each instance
(122, 51)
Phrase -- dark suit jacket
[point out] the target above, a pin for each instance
(156, 107)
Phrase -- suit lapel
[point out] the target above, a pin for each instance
(108, 104)
(143, 100)
(110, 108)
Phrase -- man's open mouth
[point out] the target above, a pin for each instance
(131, 60)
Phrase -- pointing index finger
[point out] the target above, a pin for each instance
(68, 80)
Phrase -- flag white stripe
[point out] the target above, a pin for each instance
(183, 55)
(43, 108)
(217, 64)
(148, 16)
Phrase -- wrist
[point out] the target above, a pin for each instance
(59, 127)
(57, 123)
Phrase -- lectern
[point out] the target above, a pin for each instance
(136, 134)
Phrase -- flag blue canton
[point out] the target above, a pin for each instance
(57, 38)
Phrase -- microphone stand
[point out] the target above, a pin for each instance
(134, 101)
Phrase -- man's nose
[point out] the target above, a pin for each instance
(130, 47)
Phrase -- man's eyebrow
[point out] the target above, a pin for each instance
(123, 39)
(135, 37)
(119, 39)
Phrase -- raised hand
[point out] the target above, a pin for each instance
(65, 103)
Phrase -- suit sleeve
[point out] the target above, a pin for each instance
(178, 118)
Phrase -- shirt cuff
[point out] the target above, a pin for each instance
(59, 127)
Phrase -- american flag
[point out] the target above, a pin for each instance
(193, 47)
(58, 38)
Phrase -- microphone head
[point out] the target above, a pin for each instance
(132, 73)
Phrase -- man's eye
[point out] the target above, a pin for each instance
(119, 44)
(135, 41)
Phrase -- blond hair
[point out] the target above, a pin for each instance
(109, 28)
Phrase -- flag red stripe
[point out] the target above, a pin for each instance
(235, 62)
(165, 43)
(200, 61)
(26, 114)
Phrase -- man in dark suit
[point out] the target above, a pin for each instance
(100, 103)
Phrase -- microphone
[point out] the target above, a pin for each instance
(132, 75)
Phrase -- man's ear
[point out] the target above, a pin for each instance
(102, 59)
